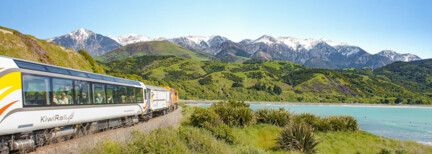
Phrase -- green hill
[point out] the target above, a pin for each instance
(415, 75)
(259, 80)
(198, 77)
(17, 45)
(158, 48)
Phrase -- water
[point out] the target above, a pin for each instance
(405, 123)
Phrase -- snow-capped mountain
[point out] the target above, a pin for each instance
(394, 56)
(94, 44)
(322, 53)
(131, 38)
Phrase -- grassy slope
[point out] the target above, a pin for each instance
(263, 135)
(153, 48)
(315, 85)
(259, 138)
(415, 75)
(30, 48)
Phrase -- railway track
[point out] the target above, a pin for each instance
(81, 144)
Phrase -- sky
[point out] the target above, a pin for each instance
(404, 26)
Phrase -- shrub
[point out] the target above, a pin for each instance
(248, 149)
(237, 84)
(221, 131)
(277, 90)
(307, 118)
(208, 119)
(343, 123)
(157, 141)
(297, 137)
(234, 113)
(331, 123)
(276, 117)
(107, 146)
(200, 141)
(206, 80)
(202, 115)
(166, 140)
(323, 125)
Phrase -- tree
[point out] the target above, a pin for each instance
(386, 101)
(277, 90)
(206, 80)
(398, 100)
(270, 90)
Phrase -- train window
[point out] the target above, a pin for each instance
(139, 95)
(99, 93)
(122, 94)
(107, 78)
(57, 70)
(117, 80)
(94, 76)
(111, 94)
(36, 90)
(145, 94)
(131, 95)
(82, 92)
(62, 91)
(31, 66)
(79, 74)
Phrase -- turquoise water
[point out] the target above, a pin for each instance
(406, 123)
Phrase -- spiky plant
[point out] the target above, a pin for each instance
(297, 137)
(278, 117)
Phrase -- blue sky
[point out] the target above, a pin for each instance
(375, 25)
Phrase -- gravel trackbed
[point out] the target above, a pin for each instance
(121, 134)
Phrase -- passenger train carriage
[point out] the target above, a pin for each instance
(40, 103)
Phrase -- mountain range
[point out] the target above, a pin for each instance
(254, 79)
(320, 53)
(94, 44)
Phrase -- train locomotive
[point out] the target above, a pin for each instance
(42, 104)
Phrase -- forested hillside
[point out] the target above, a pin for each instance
(17, 45)
(416, 75)
(260, 80)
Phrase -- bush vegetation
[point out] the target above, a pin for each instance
(297, 137)
(280, 117)
(234, 113)
(203, 131)
(208, 119)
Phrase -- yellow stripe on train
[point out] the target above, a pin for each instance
(9, 83)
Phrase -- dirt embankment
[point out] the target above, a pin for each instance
(121, 134)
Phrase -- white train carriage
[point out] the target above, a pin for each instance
(159, 99)
(40, 102)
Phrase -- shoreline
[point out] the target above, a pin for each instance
(310, 103)
(323, 104)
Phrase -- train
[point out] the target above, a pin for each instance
(42, 104)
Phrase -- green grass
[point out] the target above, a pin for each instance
(263, 135)
(258, 138)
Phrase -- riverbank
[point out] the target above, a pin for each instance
(310, 103)
(256, 138)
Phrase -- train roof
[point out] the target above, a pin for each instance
(25, 64)
(156, 88)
